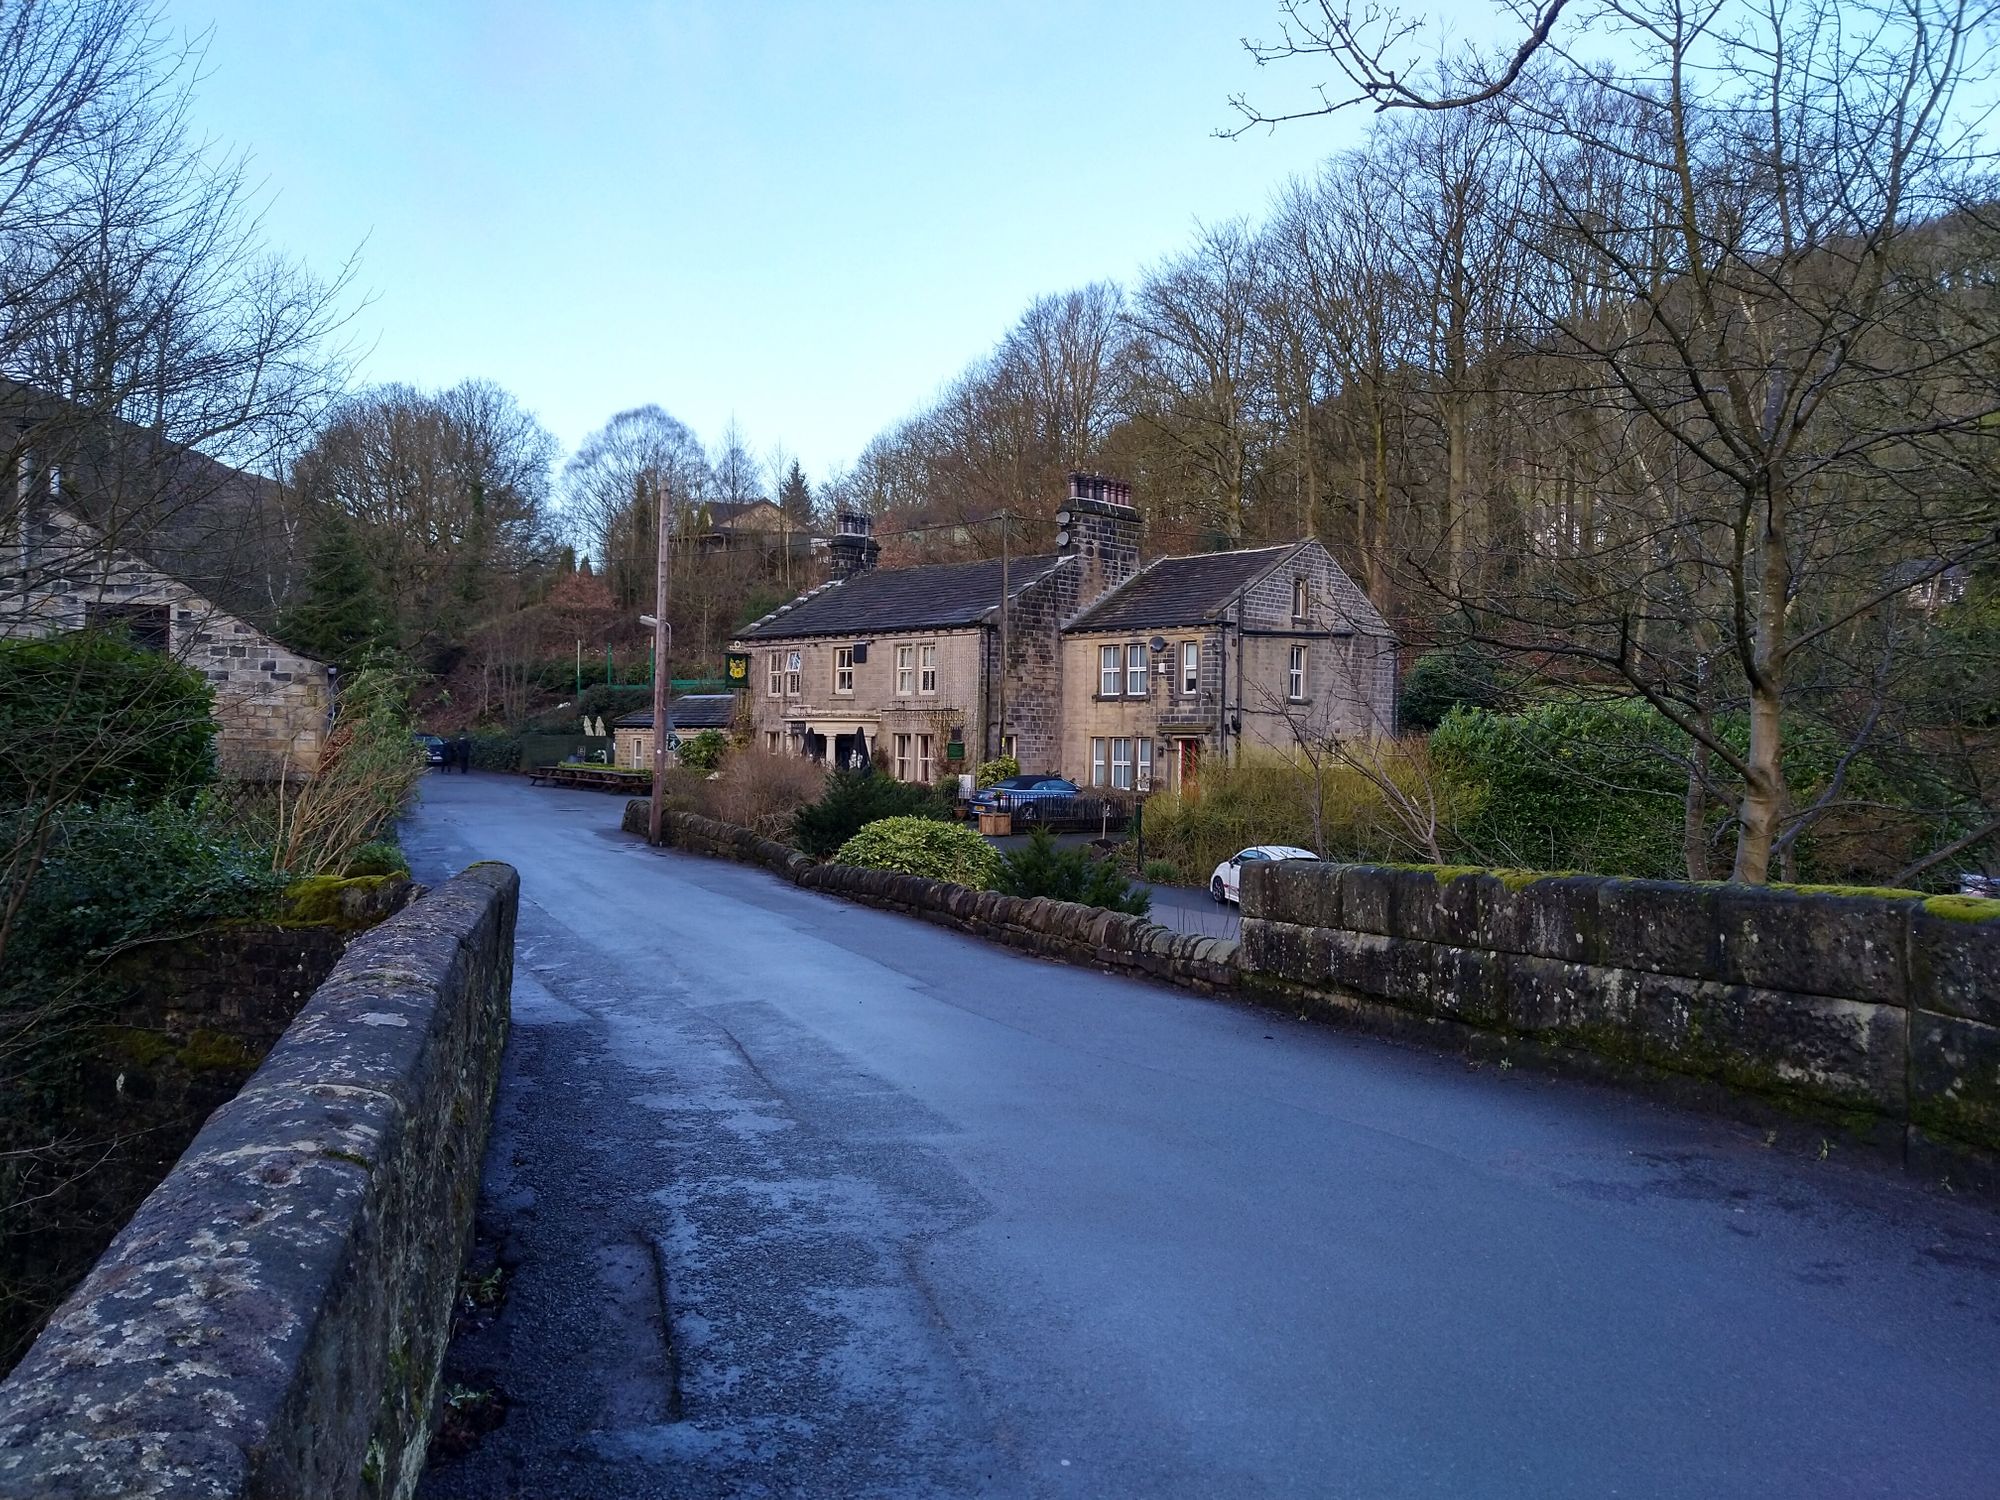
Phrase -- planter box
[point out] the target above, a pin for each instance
(996, 823)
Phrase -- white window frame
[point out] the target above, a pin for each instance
(902, 757)
(924, 759)
(1190, 668)
(1145, 765)
(1121, 765)
(843, 671)
(1301, 600)
(794, 672)
(775, 683)
(1097, 762)
(1110, 672)
(906, 670)
(1135, 670)
(1295, 676)
(927, 671)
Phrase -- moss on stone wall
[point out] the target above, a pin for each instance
(1963, 908)
(346, 903)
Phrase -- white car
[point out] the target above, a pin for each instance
(1227, 881)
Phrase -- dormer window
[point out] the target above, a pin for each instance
(1300, 613)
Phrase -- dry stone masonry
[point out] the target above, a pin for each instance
(271, 1322)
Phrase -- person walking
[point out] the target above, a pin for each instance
(464, 748)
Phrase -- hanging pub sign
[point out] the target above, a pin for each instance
(736, 669)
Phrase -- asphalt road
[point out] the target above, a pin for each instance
(808, 1199)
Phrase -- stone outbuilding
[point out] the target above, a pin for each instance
(689, 714)
(272, 704)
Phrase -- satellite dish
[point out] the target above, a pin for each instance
(1158, 643)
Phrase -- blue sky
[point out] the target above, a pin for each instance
(807, 216)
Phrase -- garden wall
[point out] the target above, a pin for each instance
(271, 1321)
(1879, 1005)
(1056, 929)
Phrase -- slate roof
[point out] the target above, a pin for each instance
(933, 597)
(689, 711)
(1181, 590)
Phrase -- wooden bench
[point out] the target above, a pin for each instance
(591, 778)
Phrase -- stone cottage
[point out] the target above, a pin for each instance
(687, 715)
(57, 573)
(1263, 648)
(1113, 675)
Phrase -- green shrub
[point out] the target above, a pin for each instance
(118, 872)
(1044, 868)
(1439, 681)
(87, 717)
(924, 846)
(705, 751)
(496, 752)
(853, 799)
(377, 858)
(1571, 786)
(997, 769)
(1163, 872)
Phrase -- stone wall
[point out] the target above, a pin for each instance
(1878, 1007)
(1056, 929)
(271, 1321)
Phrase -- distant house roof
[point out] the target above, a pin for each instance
(729, 512)
(934, 597)
(1182, 590)
(689, 711)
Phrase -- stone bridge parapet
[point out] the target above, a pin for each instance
(272, 1320)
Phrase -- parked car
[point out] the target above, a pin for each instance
(1019, 794)
(1227, 882)
(433, 748)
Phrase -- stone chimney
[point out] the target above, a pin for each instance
(1098, 525)
(853, 548)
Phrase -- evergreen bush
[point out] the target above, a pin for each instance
(1439, 681)
(88, 717)
(924, 846)
(997, 769)
(1045, 868)
(704, 751)
(854, 799)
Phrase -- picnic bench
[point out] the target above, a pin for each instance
(591, 778)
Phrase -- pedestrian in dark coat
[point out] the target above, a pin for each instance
(465, 754)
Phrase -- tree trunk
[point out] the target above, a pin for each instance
(1694, 825)
(1763, 805)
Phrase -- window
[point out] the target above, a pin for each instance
(145, 625)
(791, 674)
(924, 754)
(906, 670)
(927, 670)
(773, 742)
(903, 756)
(843, 670)
(1299, 599)
(1135, 670)
(1097, 754)
(1295, 677)
(775, 664)
(1010, 746)
(1107, 672)
(1121, 765)
(1190, 668)
(1145, 765)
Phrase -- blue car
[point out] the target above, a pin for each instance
(1019, 794)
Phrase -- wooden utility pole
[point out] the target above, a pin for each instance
(662, 669)
(1000, 730)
